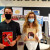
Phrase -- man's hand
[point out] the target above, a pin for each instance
(2, 46)
(13, 43)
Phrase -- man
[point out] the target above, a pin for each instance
(9, 25)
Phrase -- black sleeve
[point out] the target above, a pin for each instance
(0, 35)
(18, 29)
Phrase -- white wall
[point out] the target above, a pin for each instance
(25, 3)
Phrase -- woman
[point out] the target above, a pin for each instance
(31, 22)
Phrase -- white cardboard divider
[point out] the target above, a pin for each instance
(49, 24)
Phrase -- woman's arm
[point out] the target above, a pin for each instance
(39, 33)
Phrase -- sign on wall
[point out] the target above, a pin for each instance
(26, 12)
(40, 20)
(17, 11)
(37, 12)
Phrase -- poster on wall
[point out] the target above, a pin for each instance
(18, 17)
(17, 14)
(1, 10)
(17, 11)
(2, 17)
(26, 12)
(37, 12)
(40, 20)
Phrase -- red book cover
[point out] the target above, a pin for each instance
(7, 37)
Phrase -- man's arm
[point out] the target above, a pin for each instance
(18, 32)
(18, 36)
(1, 45)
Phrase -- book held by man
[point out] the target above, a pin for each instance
(7, 37)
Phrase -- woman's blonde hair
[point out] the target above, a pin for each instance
(26, 23)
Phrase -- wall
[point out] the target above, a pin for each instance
(25, 3)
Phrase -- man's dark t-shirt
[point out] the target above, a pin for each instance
(12, 26)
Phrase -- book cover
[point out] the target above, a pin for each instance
(7, 37)
(31, 33)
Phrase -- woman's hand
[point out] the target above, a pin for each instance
(2, 46)
(37, 38)
(26, 38)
